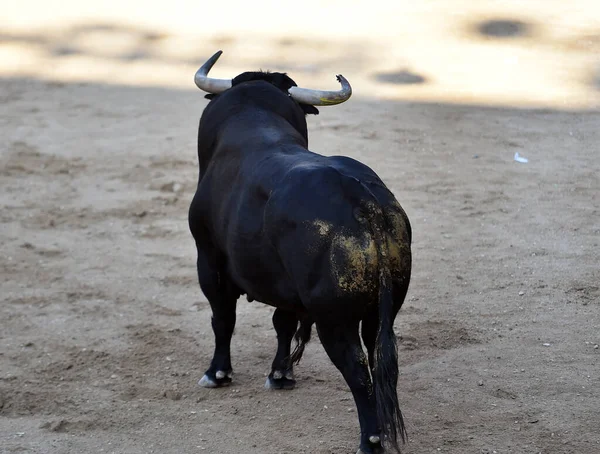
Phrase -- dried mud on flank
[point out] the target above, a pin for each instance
(104, 332)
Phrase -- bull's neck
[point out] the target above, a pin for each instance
(251, 133)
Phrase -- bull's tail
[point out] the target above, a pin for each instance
(301, 337)
(385, 370)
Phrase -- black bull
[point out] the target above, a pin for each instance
(320, 238)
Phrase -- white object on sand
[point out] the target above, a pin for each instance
(521, 158)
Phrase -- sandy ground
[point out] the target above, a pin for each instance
(104, 331)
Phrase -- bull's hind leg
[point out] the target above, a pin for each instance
(342, 345)
(282, 374)
(222, 296)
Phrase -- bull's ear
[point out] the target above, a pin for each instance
(308, 109)
(210, 96)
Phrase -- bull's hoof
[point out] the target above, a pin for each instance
(372, 446)
(372, 451)
(216, 380)
(277, 380)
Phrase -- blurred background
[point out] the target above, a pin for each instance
(522, 53)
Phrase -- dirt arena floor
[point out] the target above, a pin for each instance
(104, 332)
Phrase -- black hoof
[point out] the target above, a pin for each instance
(371, 446)
(279, 383)
(370, 450)
(215, 379)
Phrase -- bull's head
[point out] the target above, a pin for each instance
(301, 95)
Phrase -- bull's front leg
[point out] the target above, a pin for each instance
(282, 373)
(222, 296)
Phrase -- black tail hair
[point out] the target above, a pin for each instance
(301, 337)
(385, 373)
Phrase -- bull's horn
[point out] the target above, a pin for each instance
(323, 98)
(209, 84)
(303, 95)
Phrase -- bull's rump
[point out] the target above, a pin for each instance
(313, 237)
